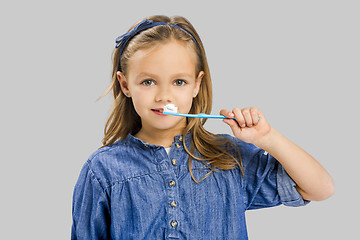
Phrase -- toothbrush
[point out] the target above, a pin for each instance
(171, 109)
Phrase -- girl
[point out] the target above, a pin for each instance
(160, 176)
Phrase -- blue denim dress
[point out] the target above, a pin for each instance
(135, 190)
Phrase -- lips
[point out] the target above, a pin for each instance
(158, 110)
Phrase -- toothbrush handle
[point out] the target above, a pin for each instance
(200, 115)
(203, 115)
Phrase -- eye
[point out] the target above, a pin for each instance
(180, 82)
(147, 82)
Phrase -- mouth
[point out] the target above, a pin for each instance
(158, 110)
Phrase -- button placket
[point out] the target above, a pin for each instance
(172, 187)
(173, 214)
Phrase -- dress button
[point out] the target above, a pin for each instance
(180, 138)
(173, 161)
(173, 204)
(172, 183)
(174, 223)
(177, 145)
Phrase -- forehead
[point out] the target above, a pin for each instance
(164, 58)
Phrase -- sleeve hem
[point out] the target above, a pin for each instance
(289, 196)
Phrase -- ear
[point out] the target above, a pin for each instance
(123, 83)
(198, 83)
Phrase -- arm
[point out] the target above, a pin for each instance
(312, 180)
(91, 210)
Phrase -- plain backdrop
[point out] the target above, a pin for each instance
(298, 61)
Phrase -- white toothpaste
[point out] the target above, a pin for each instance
(170, 108)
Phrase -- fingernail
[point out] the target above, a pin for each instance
(243, 125)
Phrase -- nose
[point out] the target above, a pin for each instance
(164, 94)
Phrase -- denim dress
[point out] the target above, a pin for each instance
(135, 190)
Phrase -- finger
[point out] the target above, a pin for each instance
(233, 125)
(260, 115)
(226, 113)
(247, 116)
(239, 117)
(254, 115)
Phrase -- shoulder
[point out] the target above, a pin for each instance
(104, 161)
(248, 151)
(106, 153)
(241, 145)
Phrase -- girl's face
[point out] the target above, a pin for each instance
(158, 76)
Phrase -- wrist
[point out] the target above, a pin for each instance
(266, 142)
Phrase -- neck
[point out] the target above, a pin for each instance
(160, 137)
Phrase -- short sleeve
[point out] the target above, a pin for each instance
(91, 215)
(289, 196)
(266, 183)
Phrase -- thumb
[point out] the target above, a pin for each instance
(235, 128)
(226, 113)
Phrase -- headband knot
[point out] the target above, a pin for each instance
(123, 39)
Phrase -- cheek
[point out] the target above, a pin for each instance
(185, 101)
(139, 99)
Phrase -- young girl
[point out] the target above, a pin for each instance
(160, 176)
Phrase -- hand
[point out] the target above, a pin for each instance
(249, 125)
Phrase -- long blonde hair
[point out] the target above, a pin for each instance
(124, 120)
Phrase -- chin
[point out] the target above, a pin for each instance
(165, 126)
(169, 124)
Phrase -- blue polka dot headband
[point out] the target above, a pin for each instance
(122, 40)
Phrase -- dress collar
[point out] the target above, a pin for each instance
(177, 139)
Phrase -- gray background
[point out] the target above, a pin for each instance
(298, 61)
